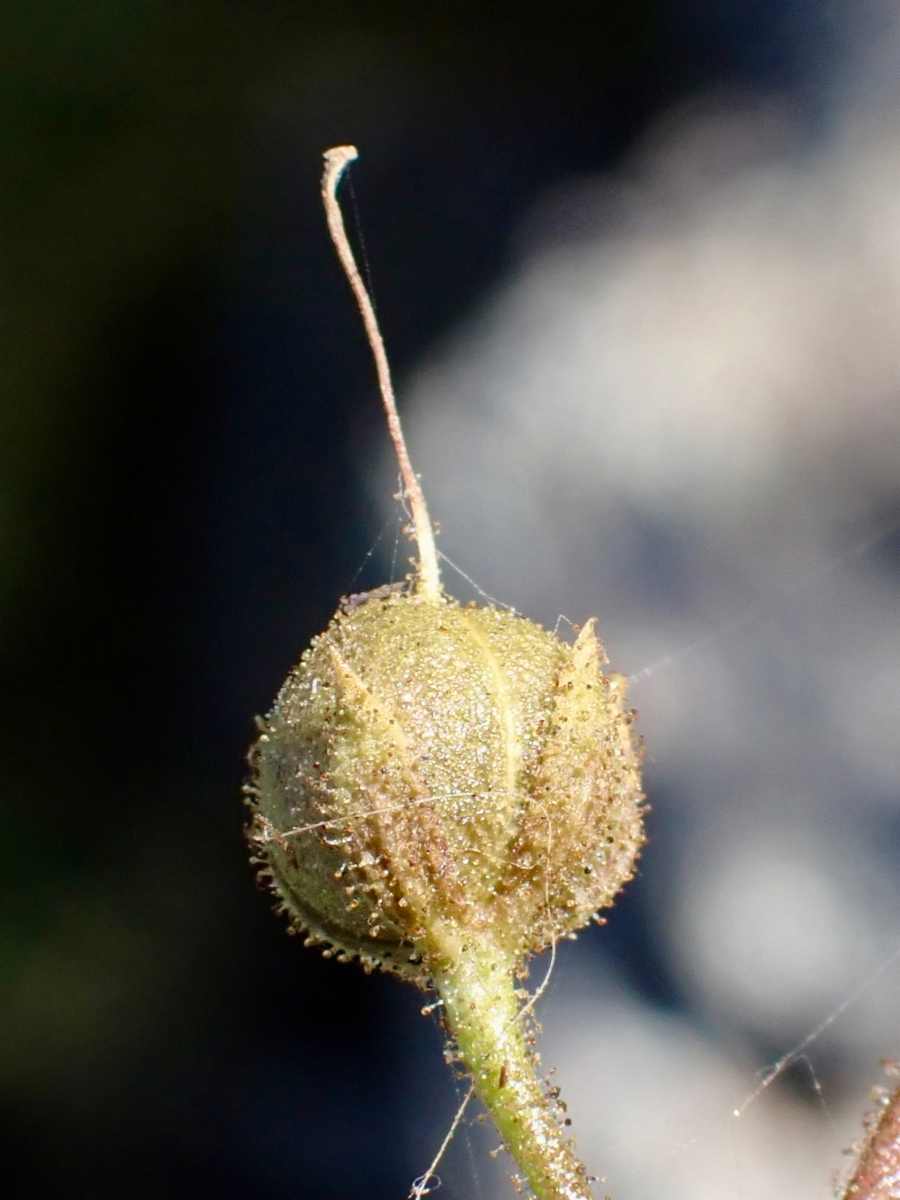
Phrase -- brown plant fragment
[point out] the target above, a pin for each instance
(877, 1173)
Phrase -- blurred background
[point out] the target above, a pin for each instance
(638, 268)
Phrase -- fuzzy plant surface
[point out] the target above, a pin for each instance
(444, 791)
(875, 1175)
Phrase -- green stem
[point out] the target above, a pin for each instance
(477, 986)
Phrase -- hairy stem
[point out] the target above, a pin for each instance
(476, 983)
(877, 1174)
(336, 161)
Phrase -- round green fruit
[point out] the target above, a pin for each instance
(431, 770)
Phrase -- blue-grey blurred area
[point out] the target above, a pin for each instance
(638, 267)
(679, 410)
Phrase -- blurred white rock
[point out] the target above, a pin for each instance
(653, 1107)
(681, 413)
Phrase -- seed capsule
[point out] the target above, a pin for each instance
(429, 764)
(441, 791)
